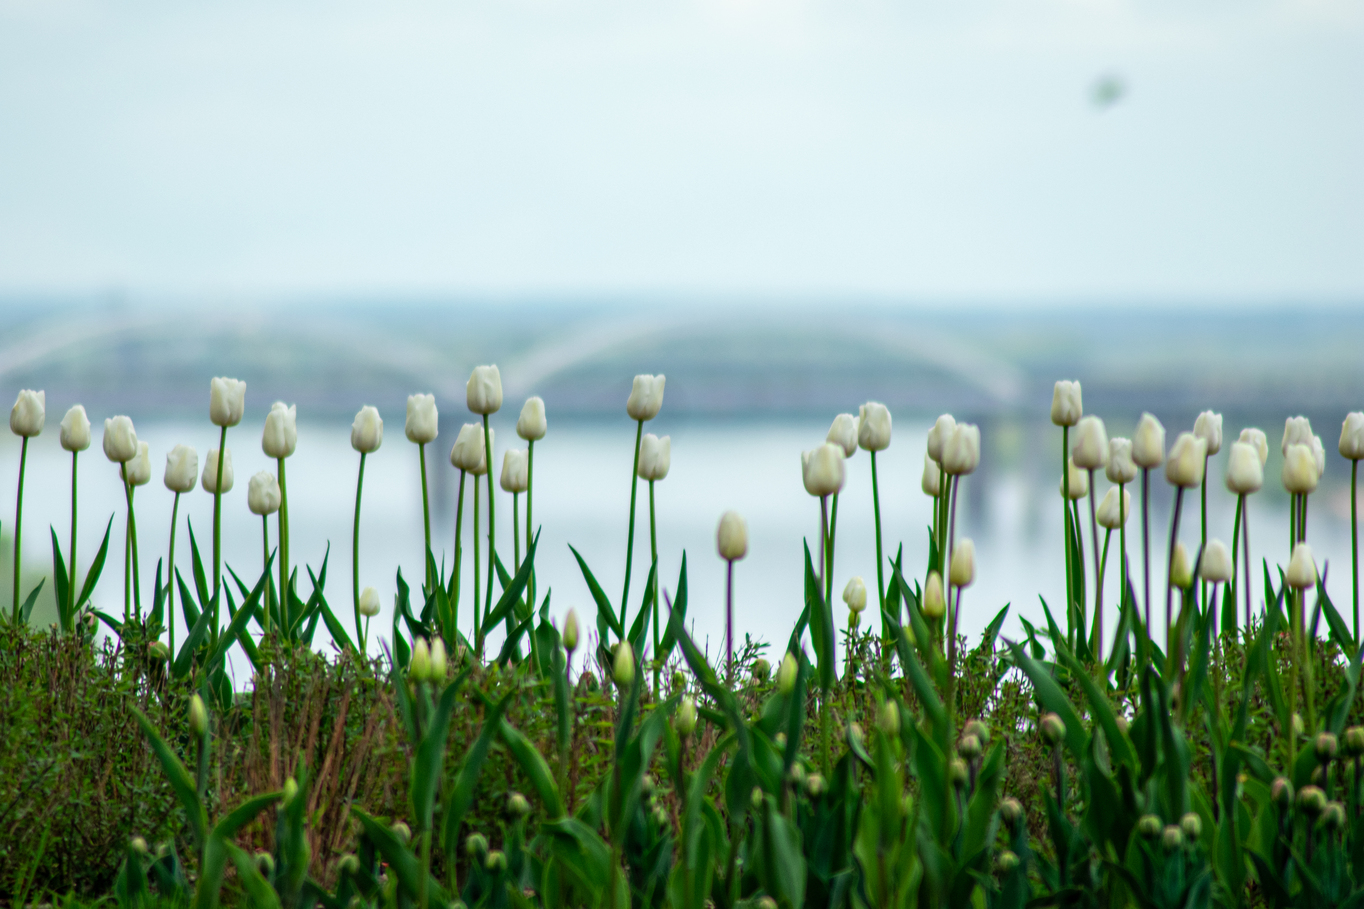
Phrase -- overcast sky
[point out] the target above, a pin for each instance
(1015, 150)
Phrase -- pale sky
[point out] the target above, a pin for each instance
(898, 148)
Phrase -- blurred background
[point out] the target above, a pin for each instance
(787, 208)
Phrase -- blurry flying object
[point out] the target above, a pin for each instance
(1108, 90)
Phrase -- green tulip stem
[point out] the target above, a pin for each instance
(516, 532)
(1354, 540)
(1245, 551)
(1098, 574)
(880, 569)
(127, 551)
(630, 536)
(947, 575)
(459, 553)
(653, 553)
(1203, 537)
(18, 523)
(492, 524)
(1169, 568)
(1146, 543)
(1229, 595)
(283, 546)
(729, 618)
(355, 555)
(833, 532)
(218, 521)
(70, 625)
(170, 575)
(265, 552)
(1122, 547)
(478, 613)
(1066, 529)
(426, 517)
(530, 528)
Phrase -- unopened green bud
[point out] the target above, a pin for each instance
(647, 785)
(290, 791)
(780, 741)
(439, 664)
(761, 670)
(815, 785)
(934, 606)
(1053, 729)
(908, 631)
(476, 845)
(797, 774)
(661, 816)
(1354, 741)
(496, 861)
(1122, 724)
(979, 730)
(138, 845)
(1149, 826)
(1333, 817)
(517, 806)
(685, 721)
(1311, 800)
(766, 902)
(266, 863)
(969, 747)
(1006, 862)
(623, 669)
(1281, 790)
(756, 798)
(786, 675)
(349, 864)
(402, 832)
(958, 772)
(679, 681)
(1172, 838)
(1326, 746)
(158, 651)
(419, 666)
(198, 716)
(1297, 726)
(1011, 812)
(888, 719)
(1192, 826)
(571, 630)
(855, 735)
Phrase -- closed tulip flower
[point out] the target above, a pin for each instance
(931, 483)
(226, 401)
(367, 431)
(1352, 436)
(1148, 443)
(938, 435)
(1216, 562)
(1208, 427)
(484, 391)
(1318, 455)
(120, 440)
(210, 475)
(646, 397)
(685, 721)
(731, 538)
(1188, 459)
(1108, 515)
(75, 434)
(1299, 470)
(280, 437)
(514, 470)
(1296, 431)
(369, 603)
(824, 470)
(182, 468)
(29, 413)
(1302, 570)
(468, 452)
(655, 456)
(963, 566)
(482, 467)
(623, 666)
(1245, 470)
(934, 606)
(139, 469)
(531, 425)
(1079, 481)
(419, 664)
(843, 433)
(1120, 468)
(1091, 444)
(262, 493)
(1066, 408)
(855, 594)
(873, 426)
(961, 454)
(423, 420)
(571, 630)
(1181, 569)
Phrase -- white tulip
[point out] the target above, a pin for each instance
(484, 391)
(139, 469)
(120, 440)
(531, 425)
(423, 421)
(1215, 564)
(1302, 570)
(961, 454)
(1079, 481)
(1208, 427)
(823, 469)
(655, 456)
(182, 468)
(1066, 408)
(75, 433)
(226, 401)
(209, 479)
(1257, 439)
(369, 602)
(1091, 444)
(1318, 455)
(262, 493)
(514, 471)
(939, 434)
(873, 426)
(646, 397)
(933, 604)
(843, 433)
(1181, 569)
(855, 594)
(367, 432)
(1296, 431)
(1352, 436)
(1108, 515)
(280, 437)
(468, 452)
(1188, 458)
(1245, 470)
(1299, 470)
(931, 483)
(1148, 443)
(962, 570)
(29, 413)
(482, 467)
(1121, 468)
(731, 537)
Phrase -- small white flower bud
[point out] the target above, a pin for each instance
(623, 667)
(685, 722)
(1187, 461)
(1245, 470)
(439, 661)
(934, 606)
(931, 483)
(1257, 440)
(855, 594)
(1215, 564)
(515, 470)
(226, 401)
(419, 666)
(823, 470)
(963, 567)
(655, 456)
(139, 469)
(29, 413)
(1299, 469)
(468, 451)
(120, 440)
(1108, 515)
(484, 390)
(280, 436)
(1302, 571)
(873, 426)
(369, 602)
(731, 538)
(1091, 444)
(75, 435)
(646, 397)
(262, 493)
(1352, 436)
(1066, 407)
(1148, 443)
(843, 433)
(938, 435)
(1079, 481)
(210, 475)
(571, 630)
(1296, 431)
(1208, 427)
(961, 454)
(1121, 468)
(367, 431)
(1181, 570)
(423, 420)
(198, 716)
(531, 425)
(786, 674)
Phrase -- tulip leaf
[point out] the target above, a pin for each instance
(604, 611)
(430, 758)
(96, 567)
(177, 775)
(258, 890)
(237, 629)
(534, 767)
(196, 637)
(821, 626)
(466, 780)
(26, 608)
(512, 594)
(200, 579)
(400, 859)
(679, 606)
(60, 582)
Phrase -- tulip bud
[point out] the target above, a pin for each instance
(843, 433)
(755, 798)
(1006, 861)
(1326, 746)
(1318, 455)
(138, 845)
(1079, 481)
(969, 747)
(1256, 439)
(1299, 469)
(120, 440)
(1053, 729)
(731, 538)
(797, 773)
(1148, 443)
(761, 670)
(931, 483)
(1191, 825)
(476, 845)
(1352, 436)
(979, 730)
(962, 571)
(873, 426)
(139, 469)
(531, 425)
(814, 785)
(1302, 570)
(571, 630)
(1091, 449)
(75, 434)
(1215, 564)
(623, 668)
(1297, 726)
(1172, 838)
(646, 397)
(1181, 569)
(1011, 812)
(1311, 800)
(1066, 408)
(655, 456)
(182, 468)
(855, 594)
(765, 902)
(1296, 431)
(1109, 515)
(1149, 826)
(198, 716)
(209, 480)
(290, 790)
(1208, 427)
(419, 666)
(933, 605)
(517, 806)
(1120, 467)
(158, 651)
(961, 454)
(823, 470)
(1122, 723)
(1354, 741)
(29, 413)
(496, 861)
(367, 432)
(786, 674)
(1245, 470)
(888, 718)
(958, 772)
(402, 832)
(938, 435)
(484, 390)
(369, 602)
(1188, 458)
(1333, 817)
(515, 470)
(468, 453)
(1281, 791)
(439, 662)
(280, 436)
(226, 401)
(262, 493)
(685, 721)
(423, 420)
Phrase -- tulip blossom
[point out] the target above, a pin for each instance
(1078, 486)
(1091, 450)
(423, 420)
(961, 454)
(731, 537)
(1302, 570)
(1300, 470)
(280, 437)
(531, 425)
(1296, 431)
(367, 430)
(1215, 564)
(646, 397)
(1245, 470)
(120, 440)
(1187, 460)
(1148, 443)
(1120, 467)
(210, 475)
(1208, 427)
(655, 457)
(873, 426)
(139, 469)
(843, 433)
(75, 432)
(262, 493)
(226, 401)
(29, 413)
(514, 470)
(931, 481)
(483, 392)
(1066, 407)
(963, 565)
(823, 470)
(1109, 513)
(938, 435)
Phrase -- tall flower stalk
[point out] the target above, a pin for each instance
(1184, 470)
(731, 541)
(1066, 409)
(217, 479)
(226, 403)
(531, 426)
(483, 395)
(278, 441)
(873, 435)
(75, 438)
(1207, 427)
(1121, 469)
(655, 459)
(135, 472)
(422, 426)
(1245, 475)
(26, 420)
(182, 471)
(960, 457)
(1148, 453)
(1091, 453)
(468, 457)
(644, 403)
(120, 447)
(1352, 448)
(366, 435)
